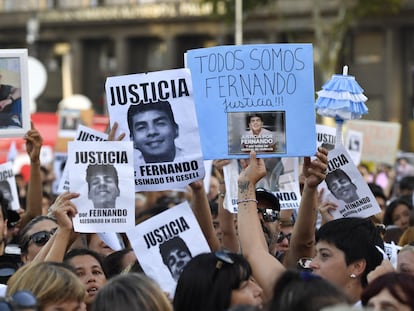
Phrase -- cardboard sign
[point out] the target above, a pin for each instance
(381, 140)
(273, 82)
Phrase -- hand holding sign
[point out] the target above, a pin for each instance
(314, 171)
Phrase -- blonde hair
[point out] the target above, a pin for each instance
(48, 281)
(407, 236)
(131, 291)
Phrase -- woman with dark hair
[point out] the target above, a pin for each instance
(306, 292)
(88, 267)
(390, 291)
(346, 252)
(397, 213)
(216, 281)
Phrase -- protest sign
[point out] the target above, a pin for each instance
(8, 186)
(83, 133)
(156, 111)
(325, 136)
(165, 243)
(354, 141)
(102, 172)
(347, 188)
(59, 163)
(282, 180)
(381, 140)
(261, 98)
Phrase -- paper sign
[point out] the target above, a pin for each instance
(8, 186)
(325, 136)
(164, 243)
(83, 133)
(347, 188)
(273, 82)
(381, 140)
(102, 172)
(282, 180)
(354, 144)
(156, 111)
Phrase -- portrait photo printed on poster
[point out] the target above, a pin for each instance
(156, 111)
(103, 174)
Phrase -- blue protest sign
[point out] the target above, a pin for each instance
(258, 97)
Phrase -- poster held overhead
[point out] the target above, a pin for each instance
(257, 95)
(156, 112)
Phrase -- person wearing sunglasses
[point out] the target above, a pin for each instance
(268, 208)
(267, 269)
(35, 235)
(216, 281)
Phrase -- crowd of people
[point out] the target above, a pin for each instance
(262, 258)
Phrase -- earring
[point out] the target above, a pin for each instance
(353, 276)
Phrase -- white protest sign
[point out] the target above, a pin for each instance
(102, 172)
(381, 140)
(8, 186)
(83, 134)
(164, 243)
(156, 111)
(347, 188)
(325, 136)
(282, 180)
(354, 142)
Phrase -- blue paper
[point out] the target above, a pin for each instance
(233, 82)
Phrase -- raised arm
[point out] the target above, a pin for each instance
(202, 212)
(266, 268)
(302, 242)
(34, 142)
(64, 210)
(230, 240)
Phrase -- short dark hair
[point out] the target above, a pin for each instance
(161, 105)
(357, 238)
(83, 252)
(253, 115)
(296, 290)
(93, 169)
(336, 174)
(170, 245)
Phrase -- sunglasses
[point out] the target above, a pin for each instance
(269, 215)
(282, 236)
(21, 300)
(40, 238)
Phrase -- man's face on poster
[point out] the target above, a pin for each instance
(103, 188)
(5, 191)
(343, 189)
(255, 124)
(154, 134)
(176, 261)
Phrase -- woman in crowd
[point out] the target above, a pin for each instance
(216, 281)
(54, 285)
(346, 252)
(398, 213)
(345, 248)
(131, 291)
(390, 291)
(89, 268)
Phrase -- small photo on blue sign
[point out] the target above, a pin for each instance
(261, 131)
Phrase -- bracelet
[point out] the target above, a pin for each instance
(247, 200)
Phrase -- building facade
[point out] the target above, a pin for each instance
(81, 42)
